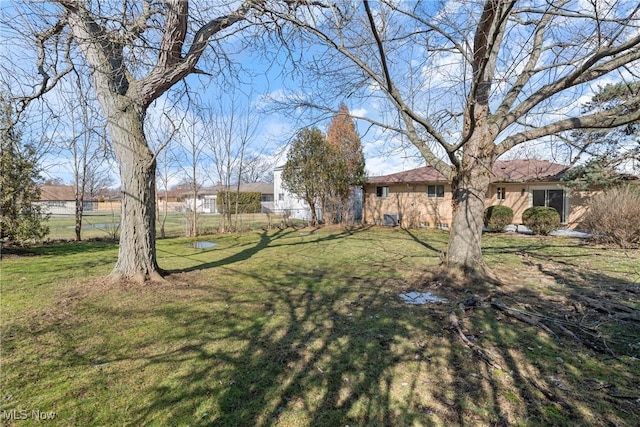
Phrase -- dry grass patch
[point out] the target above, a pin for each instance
(290, 329)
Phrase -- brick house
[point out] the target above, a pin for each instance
(422, 197)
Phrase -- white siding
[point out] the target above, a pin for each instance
(284, 201)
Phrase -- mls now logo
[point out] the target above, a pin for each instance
(23, 414)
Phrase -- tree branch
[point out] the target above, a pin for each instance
(601, 120)
(529, 69)
(48, 82)
(172, 66)
(589, 70)
(407, 114)
(487, 40)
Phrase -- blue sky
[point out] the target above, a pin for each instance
(275, 128)
(261, 79)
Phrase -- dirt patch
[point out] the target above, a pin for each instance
(572, 322)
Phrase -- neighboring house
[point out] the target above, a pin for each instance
(207, 201)
(171, 200)
(422, 197)
(287, 203)
(295, 207)
(61, 200)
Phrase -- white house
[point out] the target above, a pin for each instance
(295, 207)
(208, 197)
(287, 203)
(61, 200)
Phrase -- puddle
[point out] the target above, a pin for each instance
(421, 298)
(201, 245)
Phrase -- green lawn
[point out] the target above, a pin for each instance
(305, 327)
(104, 225)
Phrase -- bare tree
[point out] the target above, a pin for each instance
(257, 168)
(86, 144)
(163, 131)
(230, 131)
(136, 51)
(192, 161)
(465, 82)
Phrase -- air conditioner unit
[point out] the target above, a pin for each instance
(390, 220)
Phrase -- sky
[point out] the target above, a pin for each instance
(257, 80)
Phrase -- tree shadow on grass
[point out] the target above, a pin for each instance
(266, 240)
(421, 241)
(306, 353)
(321, 347)
(353, 356)
(61, 249)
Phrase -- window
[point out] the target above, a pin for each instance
(434, 191)
(280, 197)
(553, 198)
(500, 193)
(382, 191)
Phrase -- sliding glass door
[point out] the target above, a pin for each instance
(553, 198)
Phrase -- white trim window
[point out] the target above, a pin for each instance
(435, 191)
(382, 191)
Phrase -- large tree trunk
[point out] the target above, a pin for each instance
(312, 206)
(470, 185)
(465, 240)
(137, 251)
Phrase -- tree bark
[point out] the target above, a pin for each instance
(79, 212)
(469, 186)
(125, 99)
(137, 251)
(465, 240)
(312, 206)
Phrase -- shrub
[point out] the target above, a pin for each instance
(247, 201)
(497, 217)
(614, 216)
(541, 219)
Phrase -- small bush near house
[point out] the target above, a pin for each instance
(614, 216)
(541, 219)
(497, 217)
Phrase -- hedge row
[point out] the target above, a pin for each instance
(248, 201)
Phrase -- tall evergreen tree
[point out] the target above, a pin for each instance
(304, 172)
(346, 165)
(610, 149)
(20, 219)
